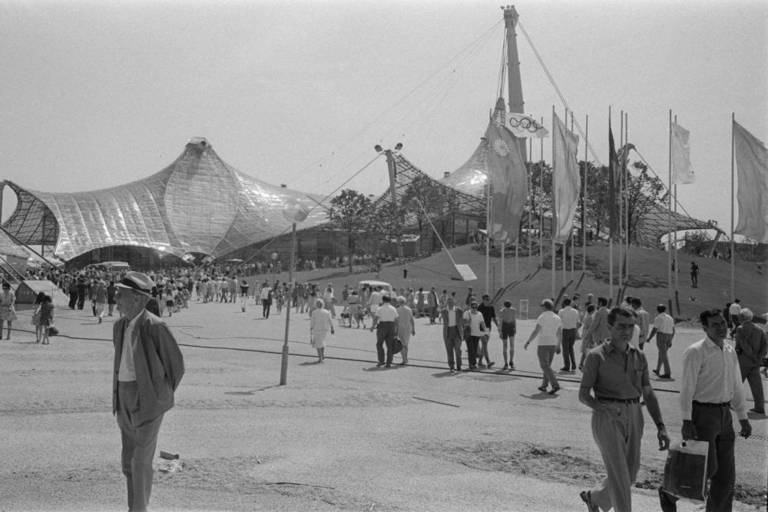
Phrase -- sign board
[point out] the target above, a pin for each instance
(465, 272)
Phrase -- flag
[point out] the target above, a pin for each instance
(525, 126)
(752, 165)
(613, 183)
(565, 172)
(682, 171)
(508, 181)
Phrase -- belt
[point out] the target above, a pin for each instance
(705, 404)
(620, 400)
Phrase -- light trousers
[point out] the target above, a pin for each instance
(139, 443)
(618, 431)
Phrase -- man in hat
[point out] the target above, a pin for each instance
(148, 364)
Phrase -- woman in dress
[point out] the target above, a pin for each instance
(7, 309)
(319, 327)
(36, 316)
(46, 318)
(405, 326)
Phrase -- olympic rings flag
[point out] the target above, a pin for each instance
(525, 126)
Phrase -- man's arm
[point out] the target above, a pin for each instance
(653, 333)
(533, 335)
(170, 355)
(655, 411)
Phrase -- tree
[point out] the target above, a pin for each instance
(350, 211)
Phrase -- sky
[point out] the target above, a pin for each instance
(99, 93)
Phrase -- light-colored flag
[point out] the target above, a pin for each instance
(752, 165)
(508, 180)
(525, 126)
(565, 171)
(682, 170)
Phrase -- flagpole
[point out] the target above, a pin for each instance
(530, 212)
(487, 232)
(733, 245)
(541, 217)
(554, 212)
(626, 204)
(584, 199)
(621, 199)
(610, 226)
(573, 241)
(669, 217)
(564, 244)
(676, 274)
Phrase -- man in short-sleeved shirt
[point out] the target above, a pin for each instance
(549, 332)
(384, 323)
(615, 379)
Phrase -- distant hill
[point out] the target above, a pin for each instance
(647, 271)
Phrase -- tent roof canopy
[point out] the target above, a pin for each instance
(198, 203)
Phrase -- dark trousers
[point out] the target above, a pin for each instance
(385, 334)
(139, 443)
(265, 306)
(569, 340)
(472, 344)
(72, 300)
(452, 340)
(714, 424)
(752, 376)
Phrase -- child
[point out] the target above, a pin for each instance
(36, 316)
(46, 317)
(507, 332)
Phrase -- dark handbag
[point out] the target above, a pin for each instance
(397, 345)
(685, 472)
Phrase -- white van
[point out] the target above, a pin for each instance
(385, 287)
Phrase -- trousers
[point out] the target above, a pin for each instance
(714, 424)
(385, 334)
(546, 354)
(569, 340)
(755, 381)
(452, 340)
(617, 431)
(139, 443)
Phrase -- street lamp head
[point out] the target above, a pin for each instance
(378, 148)
(398, 146)
(295, 212)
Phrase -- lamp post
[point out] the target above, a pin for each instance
(294, 212)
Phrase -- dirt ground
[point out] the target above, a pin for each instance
(341, 435)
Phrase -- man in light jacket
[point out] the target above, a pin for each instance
(148, 367)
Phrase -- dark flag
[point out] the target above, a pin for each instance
(613, 182)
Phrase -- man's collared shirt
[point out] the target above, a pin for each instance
(451, 316)
(570, 317)
(386, 313)
(127, 370)
(614, 374)
(664, 323)
(711, 375)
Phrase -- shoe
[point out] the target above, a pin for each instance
(656, 372)
(757, 412)
(543, 389)
(586, 496)
(554, 391)
(481, 365)
(490, 365)
(665, 376)
(511, 367)
(473, 368)
(565, 369)
(388, 365)
(379, 365)
(505, 368)
(452, 371)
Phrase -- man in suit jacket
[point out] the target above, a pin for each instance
(148, 367)
(453, 328)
